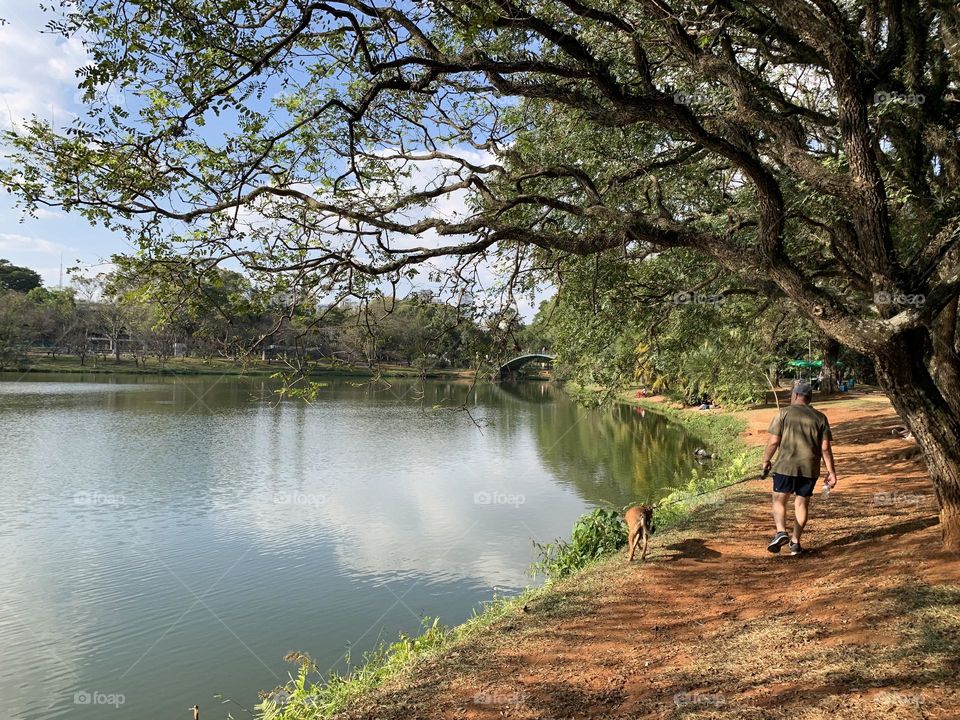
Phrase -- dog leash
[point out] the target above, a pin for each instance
(705, 492)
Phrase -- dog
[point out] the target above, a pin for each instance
(639, 527)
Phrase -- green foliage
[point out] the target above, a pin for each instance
(19, 279)
(595, 535)
(15, 311)
(310, 696)
(147, 305)
(301, 699)
(298, 387)
(63, 298)
(673, 323)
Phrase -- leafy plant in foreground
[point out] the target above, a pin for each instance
(595, 535)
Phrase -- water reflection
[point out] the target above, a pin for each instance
(173, 538)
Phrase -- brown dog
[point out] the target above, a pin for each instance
(640, 524)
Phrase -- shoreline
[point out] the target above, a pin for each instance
(393, 664)
(711, 625)
(199, 367)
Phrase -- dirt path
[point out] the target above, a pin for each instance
(866, 625)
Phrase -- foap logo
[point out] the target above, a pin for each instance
(110, 96)
(285, 298)
(691, 98)
(895, 699)
(485, 497)
(712, 500)
(696, 698)
(93, 498)
(688, 297)
(306, 499)
(279, 697)
(900, 499)
(499, 698)
(881, 97)
(887, 298)
(85, 697)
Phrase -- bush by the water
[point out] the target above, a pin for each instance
(595, 535)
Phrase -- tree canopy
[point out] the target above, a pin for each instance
(20, 279)
(809, 148)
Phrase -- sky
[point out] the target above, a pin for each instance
(39, 78)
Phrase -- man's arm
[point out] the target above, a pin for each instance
(827, 453)
(773, 442)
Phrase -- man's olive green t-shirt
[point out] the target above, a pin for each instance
(801, 430)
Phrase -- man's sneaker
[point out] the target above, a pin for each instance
(795, 548)
(779, 540)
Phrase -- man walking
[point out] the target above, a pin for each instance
(802, 437)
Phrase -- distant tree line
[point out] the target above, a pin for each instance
(151, 313)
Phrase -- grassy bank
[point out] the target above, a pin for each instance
(575, 578)
(312, 695)
(216, 366)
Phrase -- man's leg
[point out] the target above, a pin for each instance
(800, 509)
(780, 511)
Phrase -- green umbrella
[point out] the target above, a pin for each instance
(808, 364)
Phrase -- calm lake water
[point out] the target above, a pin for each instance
(167, 541)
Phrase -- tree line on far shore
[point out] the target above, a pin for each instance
(610, 324)
(150, 314)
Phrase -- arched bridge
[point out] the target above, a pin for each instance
(511, 366)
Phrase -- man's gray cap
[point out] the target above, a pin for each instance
(803, 388)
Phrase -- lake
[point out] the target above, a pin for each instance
(165, 541)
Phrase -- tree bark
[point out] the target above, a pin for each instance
(905, 377)
(831, 348)
(945, 362)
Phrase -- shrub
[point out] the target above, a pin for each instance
(595, 535)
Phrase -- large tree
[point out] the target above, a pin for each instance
(809, 147)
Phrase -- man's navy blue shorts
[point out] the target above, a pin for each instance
(793, 484)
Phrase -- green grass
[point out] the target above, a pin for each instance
(310, 696)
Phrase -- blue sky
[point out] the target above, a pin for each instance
(39, 78)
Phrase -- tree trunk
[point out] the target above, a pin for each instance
(904, 375)
(945, 362)
(831, 348)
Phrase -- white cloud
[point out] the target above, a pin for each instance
(43, 214)
(39, 69)
(12, 243)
